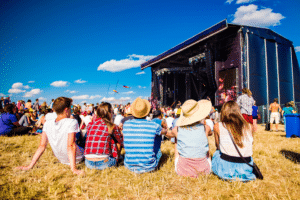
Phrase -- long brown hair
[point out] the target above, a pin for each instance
(104, 111)
(235, 123)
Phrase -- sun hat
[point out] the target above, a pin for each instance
(193, 111)
(140, 108)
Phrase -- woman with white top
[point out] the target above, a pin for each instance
(226, 161)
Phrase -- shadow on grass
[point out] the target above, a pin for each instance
(164, 158)
(293, 156)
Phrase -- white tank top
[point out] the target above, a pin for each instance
(227, 146)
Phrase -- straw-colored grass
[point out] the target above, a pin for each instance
(51, 180)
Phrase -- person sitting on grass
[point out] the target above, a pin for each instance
(192, 149)
(9, 125)
(141, 145)
(103, 140)
(60, 132)
(226, 162)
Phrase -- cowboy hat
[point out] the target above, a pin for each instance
(140, 108)
(193, 111)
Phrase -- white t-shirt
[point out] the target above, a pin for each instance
(87, 119)
(51, 116)
(57, 133)
(118, 119)
(169, 121)
(116, 111)
(210, 123)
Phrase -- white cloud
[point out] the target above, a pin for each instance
(129, 92)
(81, 97)
(80, 81)
(95, 96)
(250, 15)
(142, 87)
(113, 100)
(60, 83)
(71, 91)
(109, 99)
(32, 92)
(42, 98)
(2, 95)
(86, 97)
(30, 81)
(297, 49)
(144, 97)
(15, 90)
(17, 85)
(244, 1)
(229, 1)
(120, 65)
(139, 73)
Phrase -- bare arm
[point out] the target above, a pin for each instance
(172, 133)
(217, 135)
(208, 131)
(38, 153)
(71, 147)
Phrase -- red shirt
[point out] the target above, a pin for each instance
(99, 141)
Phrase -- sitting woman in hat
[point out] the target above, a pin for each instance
(191, 150)
(226, 161)
(103, 140)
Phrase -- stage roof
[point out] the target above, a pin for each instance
(217, 28)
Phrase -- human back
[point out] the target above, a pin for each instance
(233, 131)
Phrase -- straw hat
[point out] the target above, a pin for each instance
(193, 111)
(140, 108)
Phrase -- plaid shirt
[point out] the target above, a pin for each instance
(245, 102)
(98, 140)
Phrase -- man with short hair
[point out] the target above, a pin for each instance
(140, 142)
(275, 114)
(60, 133)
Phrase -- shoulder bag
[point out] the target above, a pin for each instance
(256, 170)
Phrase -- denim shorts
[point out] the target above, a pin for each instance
(109, 162)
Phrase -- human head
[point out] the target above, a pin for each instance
(29, 100)
(37, 100)
(275, 100)
(9, 108)
(193, 111)
(140, 108)
(105, 111)
(157, 114)
(60, 104)
(287, 104)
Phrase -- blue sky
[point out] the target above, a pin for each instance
(81, 49)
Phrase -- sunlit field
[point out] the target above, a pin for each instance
(277, 157)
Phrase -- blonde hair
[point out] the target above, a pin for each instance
(234, 121)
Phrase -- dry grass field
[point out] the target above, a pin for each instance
(52, 180)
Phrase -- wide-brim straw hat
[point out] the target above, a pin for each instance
(193, 111)
(140, 108)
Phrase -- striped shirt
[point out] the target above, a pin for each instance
(139, 143)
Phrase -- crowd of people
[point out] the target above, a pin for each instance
(96, 134)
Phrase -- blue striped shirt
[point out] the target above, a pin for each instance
(139, 139)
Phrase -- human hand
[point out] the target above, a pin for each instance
(24, 168)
